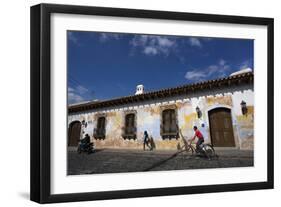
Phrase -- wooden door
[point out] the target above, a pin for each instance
(221, 128)
(74, 133)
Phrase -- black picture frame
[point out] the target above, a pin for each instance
(41, 96)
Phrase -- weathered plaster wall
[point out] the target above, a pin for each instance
(148, 117)
(244, 123)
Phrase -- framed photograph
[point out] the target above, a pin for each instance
(133, 103)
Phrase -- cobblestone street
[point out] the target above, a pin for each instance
(115, 161)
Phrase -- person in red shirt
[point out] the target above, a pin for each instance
(200, 137)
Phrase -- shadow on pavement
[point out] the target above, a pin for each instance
(98, 150)
(162, 161)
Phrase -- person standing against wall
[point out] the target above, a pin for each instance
(145, 140)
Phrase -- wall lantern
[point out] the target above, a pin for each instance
(84, 123)
(199, 112)
(244, 107)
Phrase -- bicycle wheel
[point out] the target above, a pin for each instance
(209, 151)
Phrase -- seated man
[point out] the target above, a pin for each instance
(85, 141)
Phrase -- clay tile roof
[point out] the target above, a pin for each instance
(244, 78)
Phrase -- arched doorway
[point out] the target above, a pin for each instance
(74, 132)
(221, 129)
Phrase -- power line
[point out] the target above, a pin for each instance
(74, 81)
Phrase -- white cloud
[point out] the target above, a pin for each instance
(193, 41)
(198, 41)
(195, 75)
(219, 70)
(104, 37)
(73, 96)
(81, 90)
(150, 51)
(244, 65)
(165, 42)
(70, 90)
(154, 45)
(73, 38)
(222, 62)
(78, 94)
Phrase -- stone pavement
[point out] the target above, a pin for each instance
(120, 160)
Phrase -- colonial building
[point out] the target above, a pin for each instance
(222, 109)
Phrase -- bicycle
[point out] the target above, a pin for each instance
(208, 151)
(205, 150)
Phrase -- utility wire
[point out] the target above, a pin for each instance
(77, 83)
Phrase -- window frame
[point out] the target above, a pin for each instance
(172, 135)
(100, 135)
(125, 135)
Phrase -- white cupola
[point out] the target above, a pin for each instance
(139, 89)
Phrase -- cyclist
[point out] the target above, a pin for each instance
(200, 137)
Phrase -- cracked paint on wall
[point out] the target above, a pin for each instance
(148, 118)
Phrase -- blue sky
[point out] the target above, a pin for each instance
(109, 65)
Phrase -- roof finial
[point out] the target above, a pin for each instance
(139, 89)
